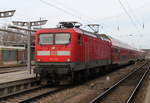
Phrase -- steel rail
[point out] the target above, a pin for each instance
(50, 92)
(102, 95)
(33, 98)
(13, 88)
(3, 98)
(130, 99)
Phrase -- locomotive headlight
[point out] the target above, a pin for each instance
(38, 60)
(68, 60)
(53, 47)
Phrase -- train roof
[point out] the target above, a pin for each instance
(117, 43)
(79, 30)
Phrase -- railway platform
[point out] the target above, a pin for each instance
(14, 76)
(11, 65)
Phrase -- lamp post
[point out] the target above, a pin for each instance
(5, 14)
(29, 25)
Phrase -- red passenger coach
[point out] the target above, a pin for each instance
(68, 52)
(122, 53)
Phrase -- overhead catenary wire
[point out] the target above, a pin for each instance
(69, 11)
(75, 11)
(66, 11)
(130, 17)
(125, 10)
(63, 10)
(136, 19)
(132, 20)
(86, 18)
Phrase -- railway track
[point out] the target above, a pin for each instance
(125, 90)
(32, 94)
(32, 90)
(23, 91)
(9, 89)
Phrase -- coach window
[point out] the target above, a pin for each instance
(79, 39)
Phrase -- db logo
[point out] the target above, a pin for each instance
(53, 53)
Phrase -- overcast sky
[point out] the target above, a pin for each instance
(124, 22)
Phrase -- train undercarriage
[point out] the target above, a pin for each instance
(65, 74)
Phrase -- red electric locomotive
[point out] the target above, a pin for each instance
(67, 52)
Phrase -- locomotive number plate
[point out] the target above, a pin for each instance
(53, 52)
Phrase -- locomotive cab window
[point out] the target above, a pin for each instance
(45, 39)
(52, 39)
(62, 38)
